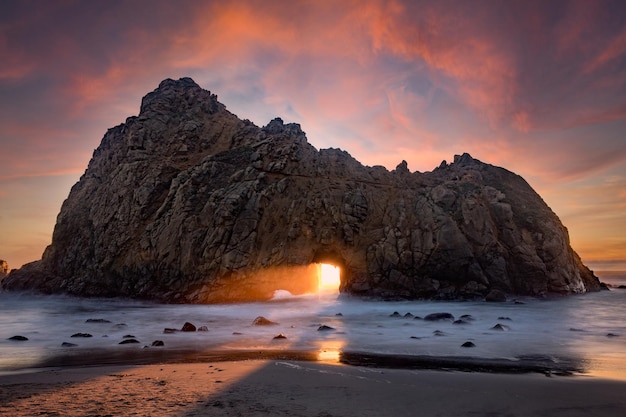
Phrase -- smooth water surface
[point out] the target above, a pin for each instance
(590, 329)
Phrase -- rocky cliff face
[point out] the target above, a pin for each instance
(188, 203)
(4, 269)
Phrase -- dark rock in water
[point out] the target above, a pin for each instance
(501, 327)
(67, 344)
(408, 316)
(128, 336)
(81, 335)
(467, 317)
(573, 329)
(439, 316)
(324, 328)
(158, 343)
(415, 337)
(203, 329)
(339, 315)
(97, 321)
(439, 333)
(518, 302)
(237, 333)
(622, 287)
(504, 318)
(188, 327)
(459, 321)
(262, 321)
(496, 296)
(128, 341)
(207, 205)
(280, 336)
(612, 335)
(18, 338)
(395, 314)
(468, 344)
(168, 330)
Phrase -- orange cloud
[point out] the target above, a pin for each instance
(384, 80)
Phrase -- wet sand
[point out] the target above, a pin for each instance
(276, 387)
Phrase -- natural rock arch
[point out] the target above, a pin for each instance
(188, 203)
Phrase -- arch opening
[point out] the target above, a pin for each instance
(329, 278)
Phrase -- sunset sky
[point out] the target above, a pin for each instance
(538, 87)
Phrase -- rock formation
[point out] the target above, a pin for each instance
(188, 203)
(4, 269)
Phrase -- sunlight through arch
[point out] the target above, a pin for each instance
(329, 278)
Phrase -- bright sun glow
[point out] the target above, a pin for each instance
(329, 277)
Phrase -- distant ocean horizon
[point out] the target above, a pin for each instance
(615, 278)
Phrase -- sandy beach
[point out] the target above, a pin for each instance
(296, 388)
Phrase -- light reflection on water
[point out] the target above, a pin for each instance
(571, 327)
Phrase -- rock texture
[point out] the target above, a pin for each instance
(4, 269)
(188, 203)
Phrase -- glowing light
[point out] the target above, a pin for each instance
(330, 277)
(330, 351)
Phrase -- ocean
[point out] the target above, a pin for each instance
(582, 334)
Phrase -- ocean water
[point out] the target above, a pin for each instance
(587, 333)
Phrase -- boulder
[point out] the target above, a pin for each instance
(188, 327)
(18, 338)
(185, 202)
(262, 321)
(438, 317)
(496, 296)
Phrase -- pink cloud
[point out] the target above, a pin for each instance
(384, 80)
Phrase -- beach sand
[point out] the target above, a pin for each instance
(296, 388)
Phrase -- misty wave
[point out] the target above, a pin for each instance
(589, 329)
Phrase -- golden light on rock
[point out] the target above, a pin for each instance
(329, 278)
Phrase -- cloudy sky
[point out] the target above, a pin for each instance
(538, 87)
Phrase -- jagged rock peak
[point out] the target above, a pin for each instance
(175, 95)
(464, 159)
(188, 203)
(277, 126)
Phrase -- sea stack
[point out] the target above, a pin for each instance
(187, 203)
(4, 269)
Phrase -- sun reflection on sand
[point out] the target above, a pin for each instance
(330, 351)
